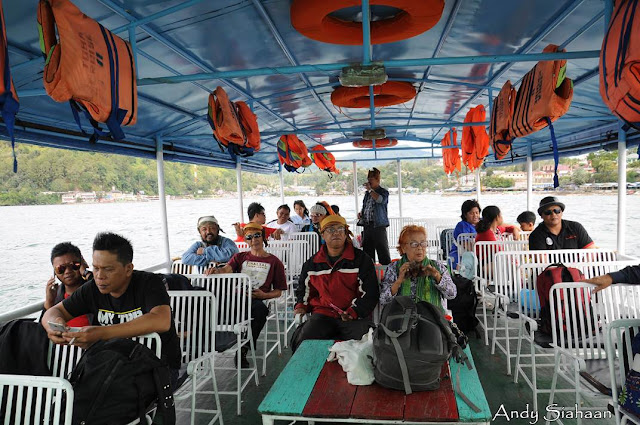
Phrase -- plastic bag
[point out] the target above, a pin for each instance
(356, 358)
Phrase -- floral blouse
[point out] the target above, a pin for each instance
(446, 286)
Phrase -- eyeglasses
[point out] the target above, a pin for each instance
(414, 244)
(63, 267)
(255, 235)
(556, 211)
(332, 230)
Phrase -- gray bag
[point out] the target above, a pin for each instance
(411, 344)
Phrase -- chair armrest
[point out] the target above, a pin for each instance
(195, 363)
(581, 365)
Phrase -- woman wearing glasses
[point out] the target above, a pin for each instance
(267, 276)
(414, 274)
(71, 269)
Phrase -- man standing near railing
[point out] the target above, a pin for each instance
(213, 247)
(374, 218)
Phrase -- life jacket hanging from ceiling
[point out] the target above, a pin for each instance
(88, 66)
(475, 141)
(387, 94)
(234, 125)
(544, 96)
(620, 63)
(380, 143)
(293, 153)
(451, 156)
(501, 116)
(324, 159)
(9, 102)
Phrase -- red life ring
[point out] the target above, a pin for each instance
(380, 143)
(387, 94)
(312, 19)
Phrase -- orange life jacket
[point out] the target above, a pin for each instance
(451, 157)
(324, 159)
(380, 143)
(88, 66)
(620, 63)
(249, 124)
(234, 125)
(544, 94)
(9, 102)
(292, 152)
(501, 115)
(475, 141)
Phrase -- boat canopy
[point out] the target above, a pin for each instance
(185, 49)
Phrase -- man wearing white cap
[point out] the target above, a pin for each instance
(213, 247)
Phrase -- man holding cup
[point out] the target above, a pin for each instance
(373, 217)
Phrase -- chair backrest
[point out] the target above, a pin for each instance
(194, 313)
(310, 237)
(465, 243)
(486, 252)
(524, 235)
(242, 246)
(179, 267)
(38, 399)
(509, 280)
(292, 253)
(232, 292)
(618, 337)
(446, 236)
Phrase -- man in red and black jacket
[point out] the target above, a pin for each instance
(338, 286)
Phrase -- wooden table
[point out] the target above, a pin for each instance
(311, 389)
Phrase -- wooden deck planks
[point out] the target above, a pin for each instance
(332, 396)
(472, 388)
(375, 402)
(437, 405)
(290, 392)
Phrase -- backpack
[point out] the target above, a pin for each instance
(292, 152)
(446, 236)
(9, 102)
(558, 273)
(116, 380)
(88, 66)
(501, 116)
(412, 337)
(463, 306)
(619, 56)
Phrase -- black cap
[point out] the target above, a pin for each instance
(547, 201)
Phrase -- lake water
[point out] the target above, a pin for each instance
(28, 233)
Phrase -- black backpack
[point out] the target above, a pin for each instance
(463, 306)
(416, 337)
(115, 381)
(445, 236)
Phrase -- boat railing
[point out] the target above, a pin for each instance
(31, 310)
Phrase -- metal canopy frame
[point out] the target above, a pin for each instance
(184, 49)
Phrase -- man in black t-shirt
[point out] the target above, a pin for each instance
(124, 302)
(556, 233)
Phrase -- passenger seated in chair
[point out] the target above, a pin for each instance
(256, 214)
(414, 274)
(71, 269)
(283, 222)
(338, 286)
(213, 246)
(317, 213)
(267, 275)
(527, 221)
(556, 233)
(124, 303)
(470, 217)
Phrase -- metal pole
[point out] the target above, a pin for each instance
(355, 187)
(239, 189)
(399, 167)
(478, 194)
(163, 203)
(281, 185)
(622, 187)
(529, 179)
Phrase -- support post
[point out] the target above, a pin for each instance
(399, 167)
(163, 203)
(281, 186)
(529, 179)
(355, 188)
(478, 186)
(622, 187)
(239, 189)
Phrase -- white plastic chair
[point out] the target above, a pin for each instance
(50, 399)
(618, 335)
(310, 237)
(195, 316)
(233, 327)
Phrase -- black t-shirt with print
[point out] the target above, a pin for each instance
(145, 291)
(572, 236)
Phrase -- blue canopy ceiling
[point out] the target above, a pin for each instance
(185, 49)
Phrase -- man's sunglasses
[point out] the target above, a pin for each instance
(556, 211)
(63, 267)
(255, 235)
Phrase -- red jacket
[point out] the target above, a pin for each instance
(350, 285)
